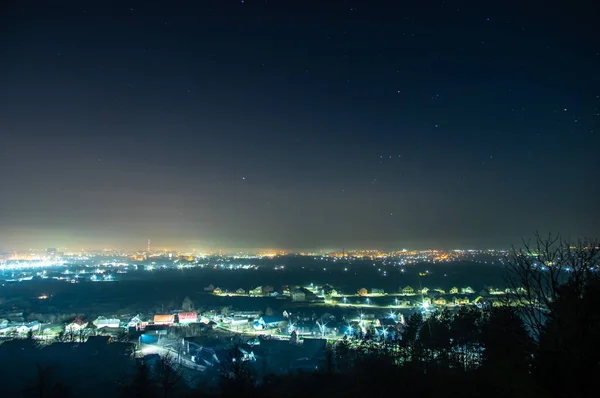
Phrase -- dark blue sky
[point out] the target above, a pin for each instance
(297, 124)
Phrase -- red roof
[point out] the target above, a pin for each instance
(188, 317)
(164, 319)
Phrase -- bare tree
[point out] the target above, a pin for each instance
(169, 372)
(556, 287)
(61, 337)
(71, 335)
(122, 336)
(187, 304)
(237, 374)
(537, 271)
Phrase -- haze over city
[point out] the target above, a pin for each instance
(297, 125)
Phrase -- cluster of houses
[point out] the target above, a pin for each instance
(8, 328)
(299, 294)
(409, 291)
(269, 355)
(315, 293)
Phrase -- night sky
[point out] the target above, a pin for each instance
(297, 124)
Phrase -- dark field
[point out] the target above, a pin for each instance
(148, 291)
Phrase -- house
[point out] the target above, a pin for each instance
(7, 329)
(102, 322)
(22, 329)
(187, 317)
(440, 290)
(363, 292)
(257, 291)
(454, 290)
(167, 319)
(267, 290)
(326, 291)
(426, 302)
(247, 314)
(209, 288)
(247, 355)
(425, 290)
(463, 301)
(440, 301)
(217, 290)
(298, 295)
(206, 356)
(137, 323)
(76, 325)
(377, 291)
(467, 290)
(270, 322)
(238, 321)
(240, 291)
(408, 291)
(34, 326)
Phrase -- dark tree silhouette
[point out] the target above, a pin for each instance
(237, 375)
(556, 287)
(538, 270)
(507, 354)
(45, 385)
(466, 338)
(168, 372)
(141, 385)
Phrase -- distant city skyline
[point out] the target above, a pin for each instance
(247, 250)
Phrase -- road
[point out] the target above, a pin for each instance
(166, 350)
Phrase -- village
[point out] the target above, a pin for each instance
(410, 297)
(13, 324)
(291, 333)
